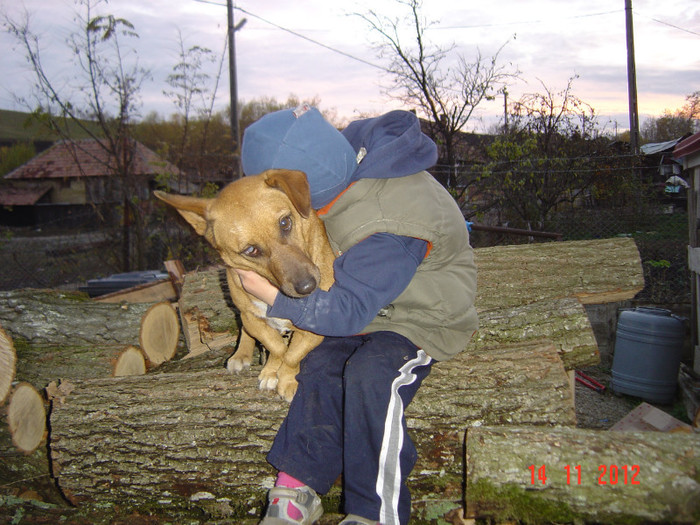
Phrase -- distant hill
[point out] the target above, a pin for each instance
(17, 126)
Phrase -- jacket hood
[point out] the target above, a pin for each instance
(301, 139)
(394, 146)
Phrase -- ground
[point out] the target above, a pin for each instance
(601, 411)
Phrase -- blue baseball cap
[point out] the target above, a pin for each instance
(301, 139)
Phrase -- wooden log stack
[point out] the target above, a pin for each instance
(187, 439)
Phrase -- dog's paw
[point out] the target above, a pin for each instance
(267, 381)
(235, 365)
(287, 389)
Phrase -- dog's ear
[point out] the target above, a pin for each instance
(193, 209)
(295, 185)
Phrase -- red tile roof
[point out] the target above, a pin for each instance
(59, 161)
(11, 196)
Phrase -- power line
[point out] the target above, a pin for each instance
(299, 35)
(669, 24)
(348, 55)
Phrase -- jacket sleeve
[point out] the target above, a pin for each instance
(368, 277)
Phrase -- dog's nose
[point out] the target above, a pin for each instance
(306, 286)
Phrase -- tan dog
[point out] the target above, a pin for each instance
(265, 223)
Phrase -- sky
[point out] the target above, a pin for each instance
(322, 49)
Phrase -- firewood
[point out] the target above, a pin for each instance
(209, 319)
(562, 321)
(41, 364)
(212, 429)
(130, 362)
(564, 475)
(26, 417)
(594, 271)
(8, 359)
(159, 334)
(65, 318)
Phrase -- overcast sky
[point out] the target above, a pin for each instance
(302, 48)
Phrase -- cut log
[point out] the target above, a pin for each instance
(22, 473)
(26, 418)
(568, 475)
(164, 437)
(594, 271)
(509, 384)
(130, 362)
(8, 360)
(42, 364)
(209, 319)
(53, 317)
(160, 332)
(562, 321)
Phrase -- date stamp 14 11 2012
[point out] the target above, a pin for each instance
(606, 475)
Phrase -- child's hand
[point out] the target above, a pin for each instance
(258, 286)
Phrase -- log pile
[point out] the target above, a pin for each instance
(186, 438)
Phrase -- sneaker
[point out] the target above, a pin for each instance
(354, 519)
(292, 507)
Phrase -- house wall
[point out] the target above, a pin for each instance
(692, 165)
(68, 191)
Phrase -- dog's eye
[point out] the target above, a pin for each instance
(251, 251)
(286, 223)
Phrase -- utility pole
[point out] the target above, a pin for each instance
(235, 131)
(632, 81)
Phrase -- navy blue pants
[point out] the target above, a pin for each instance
(347, 418)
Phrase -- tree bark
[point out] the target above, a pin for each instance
(209, 319)
(8, 361)
(562, 321)
(63, 336)
(42, 364)
(506, 384)
(595, 272)
(164, 437)
(62, 318)
(624, 476)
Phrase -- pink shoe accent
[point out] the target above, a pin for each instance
(285, 480)
(294, 512)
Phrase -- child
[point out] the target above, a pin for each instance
(405, 282)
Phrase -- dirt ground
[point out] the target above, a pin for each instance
(601, 411)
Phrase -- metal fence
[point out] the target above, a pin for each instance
(47, 256)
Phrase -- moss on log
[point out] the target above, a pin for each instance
(625, 477)
(518, 384)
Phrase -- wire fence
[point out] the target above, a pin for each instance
(50, 256)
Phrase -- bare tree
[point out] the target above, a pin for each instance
(191, 94)
(551, 154)
(100, 97)
(674, 125)
(422, 77)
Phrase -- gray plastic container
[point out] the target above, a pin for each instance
(648, 350)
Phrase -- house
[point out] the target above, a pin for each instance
(664, 170)
(687, 152)
(73, 181)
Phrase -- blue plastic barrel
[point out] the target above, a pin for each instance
(648, 350)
